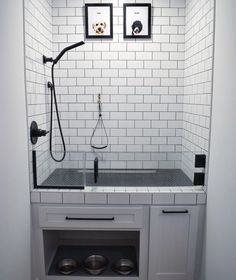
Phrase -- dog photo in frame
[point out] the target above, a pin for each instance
(99, 20)
(137, 20)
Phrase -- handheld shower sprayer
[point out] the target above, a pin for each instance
(51, 86)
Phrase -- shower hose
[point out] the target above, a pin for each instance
(54, 97)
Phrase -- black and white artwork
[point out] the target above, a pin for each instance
(137, 20)
(99, 20)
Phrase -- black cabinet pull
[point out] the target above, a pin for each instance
(175, 211)
(89, 219)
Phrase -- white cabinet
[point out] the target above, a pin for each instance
(78, 231)
(172, 235)
(172, 244)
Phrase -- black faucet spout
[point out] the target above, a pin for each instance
(95, 170)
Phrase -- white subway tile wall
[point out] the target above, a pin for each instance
(197, 81)
(140, 81)
(156, 93)
(38, 42)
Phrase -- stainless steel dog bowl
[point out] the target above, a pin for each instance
(67, 266)
(124, 266)
(95, 264)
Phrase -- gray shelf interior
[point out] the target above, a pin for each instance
(79, 244)
(80, 253)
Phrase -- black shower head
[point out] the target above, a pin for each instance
(67, 49)
(46, 59)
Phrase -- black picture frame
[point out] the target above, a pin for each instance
(98, 20)
(139, 27)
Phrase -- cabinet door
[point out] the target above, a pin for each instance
(172, 247)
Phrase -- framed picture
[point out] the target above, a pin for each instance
(137, 20)
(99, 20)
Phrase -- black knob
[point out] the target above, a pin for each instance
(39, 133)
(35, 132)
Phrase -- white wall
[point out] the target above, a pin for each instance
(14, 193)
(221, 208)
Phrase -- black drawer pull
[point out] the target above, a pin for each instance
(175, 211)
(89, 219)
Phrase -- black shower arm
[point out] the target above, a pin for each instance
(50, 59)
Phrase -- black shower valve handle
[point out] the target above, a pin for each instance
(35, 132)
(40, 132)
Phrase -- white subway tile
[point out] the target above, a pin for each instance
(201, 198)
(95, 198)
(110, 55)
(51, 197)
(135, 64)
(177, 3)
(140, 198)
(118, 47)
(126, 56)
(177, 20)
(59, 3)
(163, 198)
(169, 29)
(73, 197)
(126, 124)
(35, 197)
(118, 81)
(66, 29)
(168, 82)
(152, 82)
(118, 198)
(126, 73)
(75, 20)
(92, 55)
(118, 64)
(59, 20)
(66, 12)
(161, 3)
(185, 198)
(98, 64)
(169, 47)
(134, 116)
(144, 55)
(158, 141)
(135, 82)
(171, 64)
(135, 47)
(170, 12)
(74, 3)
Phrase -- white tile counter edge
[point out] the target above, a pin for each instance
(122, 195)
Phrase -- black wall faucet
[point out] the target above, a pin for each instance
(95, 170)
